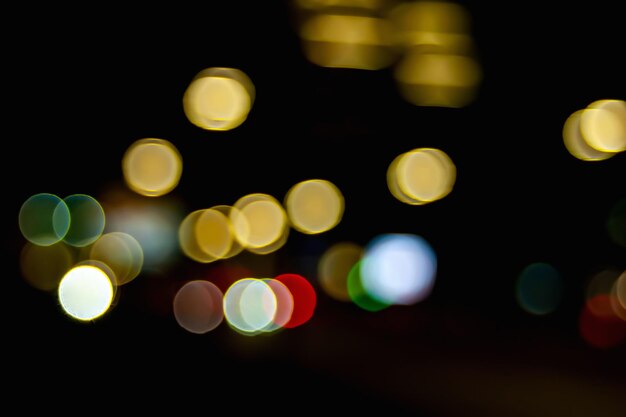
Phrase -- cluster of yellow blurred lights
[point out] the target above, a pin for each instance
(428, 42)
(259, 223)
(597, 132)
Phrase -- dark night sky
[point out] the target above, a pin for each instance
(83, 87)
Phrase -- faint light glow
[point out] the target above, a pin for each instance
(358, 294)
(576, 144)
(422, 176)
(43, 266)
(152, 167)
(214, 233)
(314, 206)
(342, 41)
(440, 80)
(219, 98)
(304, 299)
(601, 283)
(601, 331)
(538, 288)
(284, 305)
(87, 220)
(620, 289)
(198, 306)
(260, 223)
(323, 4)
(44, 219)
(85, 292)
(152, 222)
(603, 125)
(399, 268)
(335, 265)
(616, 223)
(616, 297)
(438, 67)
(250, 305)
(121, 252)
(438, 17)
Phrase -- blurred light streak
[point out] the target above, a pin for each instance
(538, 289)
(152, 167)
(260, 223)
(603, 125)
(398, 268)
(616, 223)
(358, 294)
(314, 206)
(121, 252)
(44, 219)
(85, 292)
(43, 267)
(575, 142)
(348, 41)
(304, 299)
(250, 305)
(334, 266)
(219, 98)
(198, 306)
(87, 220)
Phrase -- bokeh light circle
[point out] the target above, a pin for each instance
(152, 167)
(198, 306)
(44, 219)
(85, 292)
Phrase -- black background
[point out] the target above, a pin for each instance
(84, 84)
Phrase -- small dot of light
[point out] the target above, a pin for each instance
(198, 306)
(601, 331)
(538, 289)
(44, 266)
(342, 41)
(121, 252)
(44, 219)
(284, 305)
(314, 206)
(260, 223)
(335, 265)
(152, 167)
(603, 125)
(214, 233)
(219, 98)
(398, 269)
(87, 220)
(304, 299)
(358, 294)
(616, 223)
(576, 144)
(250, 305)
(425, 174)
(85, 292)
